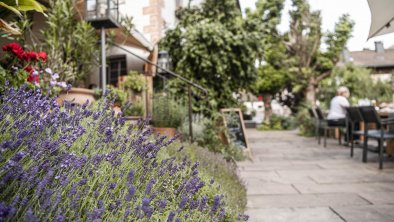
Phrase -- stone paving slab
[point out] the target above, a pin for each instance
(379, 198)
(345, 188)
(292, 178)
(381, 213)
(306, 200)
(316, 214)
(259, 188)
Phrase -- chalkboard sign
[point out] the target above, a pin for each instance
(234, 123)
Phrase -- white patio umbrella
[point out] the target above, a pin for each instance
(382, 17)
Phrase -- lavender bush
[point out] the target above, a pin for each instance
(80, 163)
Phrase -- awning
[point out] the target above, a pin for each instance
(382, 17)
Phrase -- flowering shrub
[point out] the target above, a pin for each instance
(85, 164)
(20, 67)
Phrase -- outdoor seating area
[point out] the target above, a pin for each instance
(370, 126)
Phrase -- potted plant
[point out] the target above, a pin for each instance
(72, 51)
(135, 81)
(19, 67)
(168, 115)
(118, 97)
(134, 110)
(134, 84)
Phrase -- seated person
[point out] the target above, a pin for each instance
(337, 113)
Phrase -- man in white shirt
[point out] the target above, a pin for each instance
(337, 113)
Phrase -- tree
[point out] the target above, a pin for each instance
(262, 25)
(71, 44)
(309, 64)
(211, 47)
(360, 83)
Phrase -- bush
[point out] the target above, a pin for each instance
(278, 122)
(135, 81)
(208, 133)
(134, 109)
(84, 164)
(218, 171)
(305, 122)
(167, 112)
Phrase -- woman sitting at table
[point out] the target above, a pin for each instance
(337, 113)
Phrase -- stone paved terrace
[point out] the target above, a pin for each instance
(292, 178)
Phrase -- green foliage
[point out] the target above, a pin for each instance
(16, 7)
(134, 109)
(208, 132)
(211, 47)
(360, 84)
(135, 81)
(198, 125)
(262, 25)
(71, 44)
(167, 112)
(15, 78)
(308, 64)
(214, 166)
(278, 122)
(214, 136)
(118, 96)
(304, 121)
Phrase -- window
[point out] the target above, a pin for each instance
(117, 67)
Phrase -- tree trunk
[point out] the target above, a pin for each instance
(310, 94)
(267, 107)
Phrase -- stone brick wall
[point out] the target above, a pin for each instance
(156, 21)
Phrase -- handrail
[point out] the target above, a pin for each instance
(164, 69)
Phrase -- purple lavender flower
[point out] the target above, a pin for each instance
(6, 211)
(171, 216)
(130, 177)
(180, 149)
(203, 202)
(162, 204)
(111, 186)
(216, 203)
(149, 186)
(183, 202)
(130, 194)
(30, 217)
(82, 182)
(127, 213)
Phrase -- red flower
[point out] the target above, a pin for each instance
(28, 69)
(14, 48)
(30, 56)
(32, 77)
(43, 56)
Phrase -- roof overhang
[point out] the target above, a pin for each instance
(132, 38)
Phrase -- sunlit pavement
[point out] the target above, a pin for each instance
(292, 178)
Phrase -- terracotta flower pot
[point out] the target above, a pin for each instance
(76, 95)
(117, 110)
(169, 132)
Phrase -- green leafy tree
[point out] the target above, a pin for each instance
(211, 47)
(309, 65)
(360, 83)
(262, 25)
(70, 43)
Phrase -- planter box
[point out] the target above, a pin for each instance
(169, 132)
